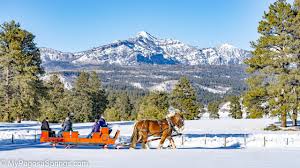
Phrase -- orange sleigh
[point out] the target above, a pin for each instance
(72, 138)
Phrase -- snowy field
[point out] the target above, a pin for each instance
(209, 143)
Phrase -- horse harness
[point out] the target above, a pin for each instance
(171, 126)
(160, 127)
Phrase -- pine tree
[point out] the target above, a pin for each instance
(255, 97)
(235, 108)
(50, 106)
(183, 97)
(98, 94)
(82, 104)
(272, 61)
(124, 106)
(87, 99)
(20, 70)
(295, 73)
(213, 110)
(154, 106)
(112, 114)
(120, 109)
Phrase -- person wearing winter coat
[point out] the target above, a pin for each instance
(96, 127)
(99, 123)
(103, 123)
(45, 127)
(66, 126)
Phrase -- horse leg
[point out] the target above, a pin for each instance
(162, 140)
(144, 142)
(172, 142)
(140, 138)
(148, 146)
(135, 140)
(133, 144)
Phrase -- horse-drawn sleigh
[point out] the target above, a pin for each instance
(72, 138)
(162, 129)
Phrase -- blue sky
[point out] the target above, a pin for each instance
(76, 25)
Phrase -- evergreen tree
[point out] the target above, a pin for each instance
(154, 106)
(213, 110)
(20, 70)
(120, 109)
(255, 98)
(87, 98)
(272, 61)
(124, 106)
(98, 94)
(66, 105)
(295, 72)
(112, 114)
(235, 108)
(50, 106)
(82, 104)
(183, 97)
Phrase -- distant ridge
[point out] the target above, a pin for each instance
(148, 49)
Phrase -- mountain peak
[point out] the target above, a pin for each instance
(227, 46)
(145, 34)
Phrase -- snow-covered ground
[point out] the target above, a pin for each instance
(211, 143)
(193, 158)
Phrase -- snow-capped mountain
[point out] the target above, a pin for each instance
(225, 54)
(145, 48)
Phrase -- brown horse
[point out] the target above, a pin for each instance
(160, 128)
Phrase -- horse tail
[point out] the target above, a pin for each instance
(134, 137)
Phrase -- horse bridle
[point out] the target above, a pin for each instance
(171, 125)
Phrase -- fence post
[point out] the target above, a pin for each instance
(34, 135)
(245, 140)
(264, 141)
(225, 139)
(12, 138)
(182, 141)
(287, 141)
(205, 140)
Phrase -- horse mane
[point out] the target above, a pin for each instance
(172, 114)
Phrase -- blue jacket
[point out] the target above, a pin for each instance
(96, 127)
(100, 123)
